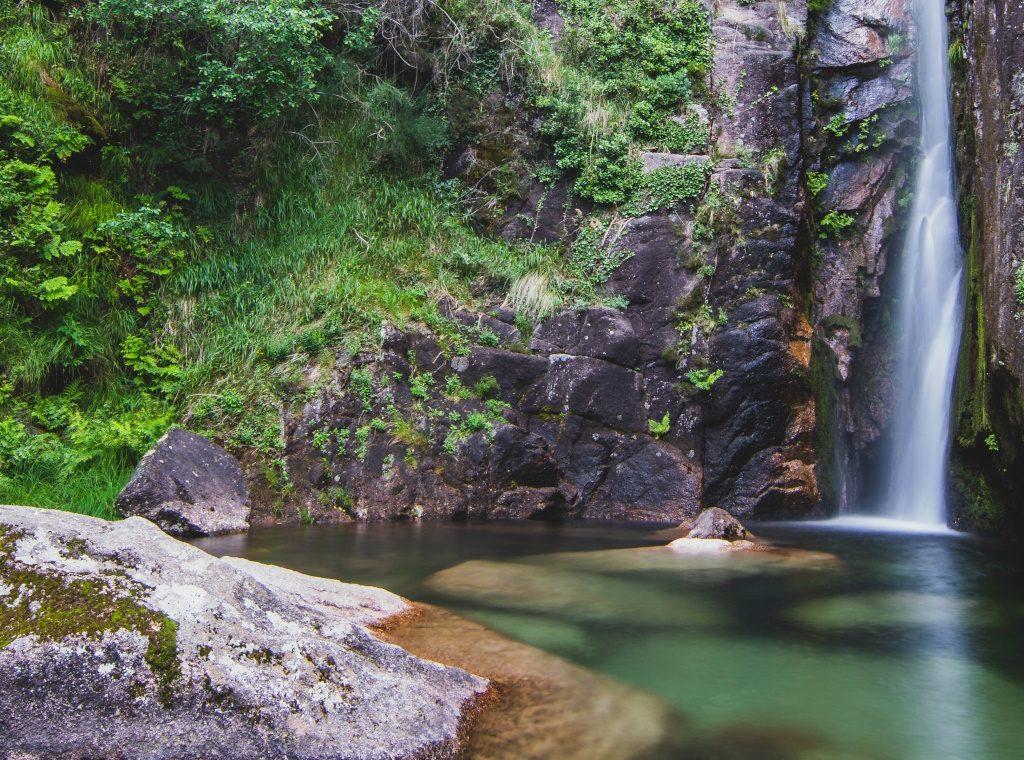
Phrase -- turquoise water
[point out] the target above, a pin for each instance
(903, 646)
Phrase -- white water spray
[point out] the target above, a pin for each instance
(929, 312)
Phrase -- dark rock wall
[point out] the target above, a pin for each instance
(861, 138)
(759, 450)
(987, 59)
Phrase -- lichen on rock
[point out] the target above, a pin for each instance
(200, 657)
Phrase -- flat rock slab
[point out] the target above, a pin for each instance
(117, 640)
(189, 486)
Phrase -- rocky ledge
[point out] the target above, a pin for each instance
(117, 640)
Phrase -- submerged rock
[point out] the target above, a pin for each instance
(717, 523)
(189, 487)
(549, 707)
(117, 640)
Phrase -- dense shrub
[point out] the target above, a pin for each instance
(197, 74)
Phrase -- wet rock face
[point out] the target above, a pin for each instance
(189, 487)
(988, 105)
(562, 430)
(862, 133)
(119, 641)
(759, 453)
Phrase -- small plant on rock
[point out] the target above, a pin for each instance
(658, 428)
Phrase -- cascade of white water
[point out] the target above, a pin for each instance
(929, 312)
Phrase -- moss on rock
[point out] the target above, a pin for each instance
(51, 607)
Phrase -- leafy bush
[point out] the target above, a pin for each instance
(146, 245)
(671, 185)
(189, 70)
(35, 259)
(646, 57)
(641, 47)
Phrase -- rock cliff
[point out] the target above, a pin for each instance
(862, 131)
(987, 60)
(695, 392)
(742, 359)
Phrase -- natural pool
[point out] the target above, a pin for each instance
(904, 646)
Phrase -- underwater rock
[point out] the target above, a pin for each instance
(188, 486)
(715, 522)
(548, 707)
(117, 640)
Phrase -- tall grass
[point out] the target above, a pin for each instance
(89, 490)
(340, 246)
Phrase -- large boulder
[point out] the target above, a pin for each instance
(189, 487)
(117, 640)
(717, 523)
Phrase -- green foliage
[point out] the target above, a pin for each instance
(146, 244)
(63, 451)
(361, 381)
(658, 428)
(837, 126)
(396, 125)
(338, 497)
(463, 427)
(703, 379)
(455, 390)
(639, 62)
(361, 35)
(992, 443)
(642, 49)
(33, 251)
(156, 366)
(671, 185)
(607, 171)
(1018, 283)
(420, 384)
(816, 182)
(833, 223)
(592, 259)
(486, 387)
(321, 439)
(189, 70)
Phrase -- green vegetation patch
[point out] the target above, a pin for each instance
(634, 66)
(201, 200)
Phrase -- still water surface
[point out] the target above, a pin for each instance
(906, 646)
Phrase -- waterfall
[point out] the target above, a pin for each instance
(929, 309)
